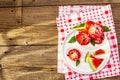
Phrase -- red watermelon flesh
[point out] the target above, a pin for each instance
(99, 52)
(91, 56)
(95, 62)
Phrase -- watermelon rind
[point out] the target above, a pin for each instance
(87, 57)
(91, 64)
(79, 27)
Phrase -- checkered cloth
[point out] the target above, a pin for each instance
(69, 16)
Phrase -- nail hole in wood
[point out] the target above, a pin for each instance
(11, 10)
(5, 52)
(10, 39)
(27, 43)
(18, 21)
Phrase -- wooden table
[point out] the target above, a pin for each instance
(28, 37)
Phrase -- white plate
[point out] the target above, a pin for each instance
(84, 67)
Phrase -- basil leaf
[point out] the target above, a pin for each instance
(79, 26)
(93, 42)
(72, 40)
(77, 62)
(106, 29)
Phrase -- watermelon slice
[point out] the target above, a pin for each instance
(88, 55)
(80, 27)
(95, 63)
(99, 52)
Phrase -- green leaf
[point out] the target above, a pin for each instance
(72, 40)
(79, 26)
(93, 42)
(77, 62)
(106, 29)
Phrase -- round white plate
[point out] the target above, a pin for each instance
(84, 67)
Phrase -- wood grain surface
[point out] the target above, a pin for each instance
(29, 37)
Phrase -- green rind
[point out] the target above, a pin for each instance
(87, 57)
(79, 26)
(91, 65)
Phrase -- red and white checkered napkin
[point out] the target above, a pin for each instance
(70, 16)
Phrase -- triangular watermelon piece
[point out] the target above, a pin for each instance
(87, 57)
(95, 63)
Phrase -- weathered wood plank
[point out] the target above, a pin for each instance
(21, 74)
(33, 56)
(117, 28)
(115, 1)
(12, 3)
(7, 3)
(0, 73)
(29, 35)
(7, 16)
(29, 63)
(11, 16)
(115, 11)
(19, 11)
(67, 2)
(44, 15)
(62, 2)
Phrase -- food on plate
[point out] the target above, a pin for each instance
(83, 38)
(94, 62)
(74, 54)
(90, 32)
(88, 55)
(88, 37)
(99, 40)
(94, 30)
(99, 52)
(80, 27)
